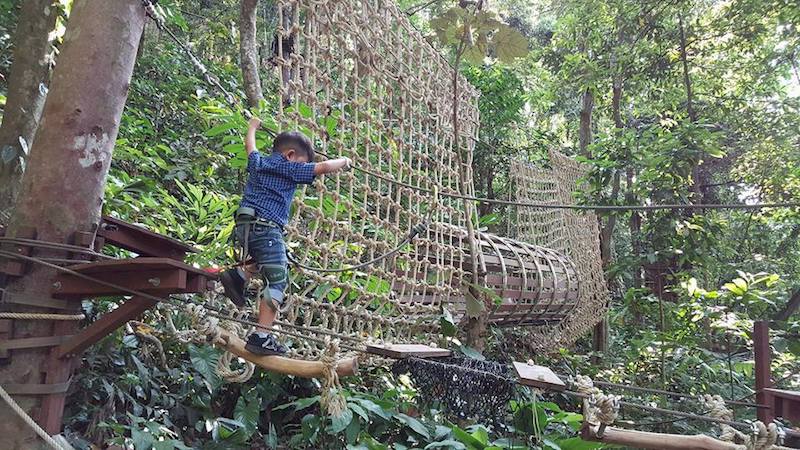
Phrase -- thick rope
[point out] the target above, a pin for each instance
(31, 423)
(763, 437)
(40, 316)
(599, 408)
(331, 398)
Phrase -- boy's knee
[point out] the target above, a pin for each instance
(274, 274)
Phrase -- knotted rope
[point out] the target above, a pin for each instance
(763, 437)
(331, 398)
(598, 408)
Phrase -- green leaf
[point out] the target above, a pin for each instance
(471, 353)
(271, 439)
(341, 421)
(448, 444)
(509, 44)
(414, 424)
(577, 443)
(374, 408)
(299, 404)
(447, 324)
(475, 306)
(142, 440)
(248, 413)
(219, 129)
(204, 359)
(468, 439)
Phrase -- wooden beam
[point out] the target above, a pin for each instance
(401, 351)
(656, 441)
(287, 366)
(763, 371)
(104, 326)
(156, 282)
(142, 241)
(57, 371)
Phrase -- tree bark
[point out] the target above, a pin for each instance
(791, 307)
(248, 51)
(585, 129)
(27, 89)
(62, 188)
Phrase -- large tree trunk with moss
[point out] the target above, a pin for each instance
(27, 89)
(62, 188)
(248, 51)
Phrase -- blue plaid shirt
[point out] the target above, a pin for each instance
(271, 184)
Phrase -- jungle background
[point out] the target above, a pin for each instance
(666, 101)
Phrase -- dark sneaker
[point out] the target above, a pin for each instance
(233, 283)
(264, 345)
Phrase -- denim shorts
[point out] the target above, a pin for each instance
(267, 248)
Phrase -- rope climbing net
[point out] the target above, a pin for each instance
(363, 83)
(569, 232)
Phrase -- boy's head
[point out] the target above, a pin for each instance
(293, 145)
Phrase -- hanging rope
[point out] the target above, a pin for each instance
(40, 316)
(31, 423)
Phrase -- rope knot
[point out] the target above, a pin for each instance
(331, 398)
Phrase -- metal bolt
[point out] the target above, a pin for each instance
(57, 286)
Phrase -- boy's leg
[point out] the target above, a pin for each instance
(268, 248)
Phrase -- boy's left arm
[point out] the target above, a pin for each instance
(250, 139)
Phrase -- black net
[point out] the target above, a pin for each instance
(462, 388)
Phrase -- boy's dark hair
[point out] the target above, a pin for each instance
(293, 139)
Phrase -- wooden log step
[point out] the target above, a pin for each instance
(538, 376)
(401, 351)
(287, 366)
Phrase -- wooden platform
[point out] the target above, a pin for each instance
(539, 377)
(157, 276)
(401, 351)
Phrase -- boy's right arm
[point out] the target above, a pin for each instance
(332, 165)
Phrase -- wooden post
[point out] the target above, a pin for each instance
(62, 189)
(763, 360)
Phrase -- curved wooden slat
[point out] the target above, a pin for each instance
(281, 364)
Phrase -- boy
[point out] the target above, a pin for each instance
(263, 213)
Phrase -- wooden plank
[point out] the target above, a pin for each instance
(135, 264)
(538, 376)
(41, 300)
(142, 241)
(33, 342)
(156, 282)
(785, 404)
(16, 268)
(104, 326)
(400, 351)
(6, 333)
(58, 371)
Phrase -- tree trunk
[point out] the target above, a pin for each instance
(585, 130)
(26, 93)
(62, 188)
(248, 51)
(791, 307)
(687, 80)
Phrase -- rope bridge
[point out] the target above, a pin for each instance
(363, 83)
